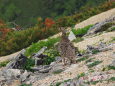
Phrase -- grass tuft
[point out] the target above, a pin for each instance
(81, 59)
(81, 31)
(94, 64)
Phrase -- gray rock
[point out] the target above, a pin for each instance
(102, 47)
(2, 78)
(39, 56)
(90, 49)
(53, 63)
(45, 69)
(35, 77)
(42, 68)
(40, 52)
(113, 55)
(17, 62)
(32, 79)
(57, 67)
(58, 59)
(24, 76)
(11, 74)
(97, 27)
(71, 36)
(113, 63)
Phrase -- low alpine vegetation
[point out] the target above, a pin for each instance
(81, 31)
(58, 71)
(3, 64)
(94, 64)
(35, 47)
(82, 59)
(78, 39)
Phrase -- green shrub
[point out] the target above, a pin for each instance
(29, 63)
(95, 51)
(112, 29)
(51, 53)
(35, 47)
(112, 79)
(108, 68)
(78, 39)
(82, 31)
(113, 39)
(111, 67)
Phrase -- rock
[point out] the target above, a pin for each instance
(32, 79)
(97, 27)
(24, 76)
(58, 59)
(35, 77)
(39, 52)
(90, 49)
(2, 78)
(113, 55)
(8, 76)
(11, 74)
(113, 63)
(39, 56)
(102, 47)
(42, 68)
(17, 62)
(53, 63)
(45, 69)
(79, 55)
(57, 67)
(71, 36)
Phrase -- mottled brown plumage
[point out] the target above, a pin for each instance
(66, 48)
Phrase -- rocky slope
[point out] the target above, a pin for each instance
(74, 70)
(95, 66)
